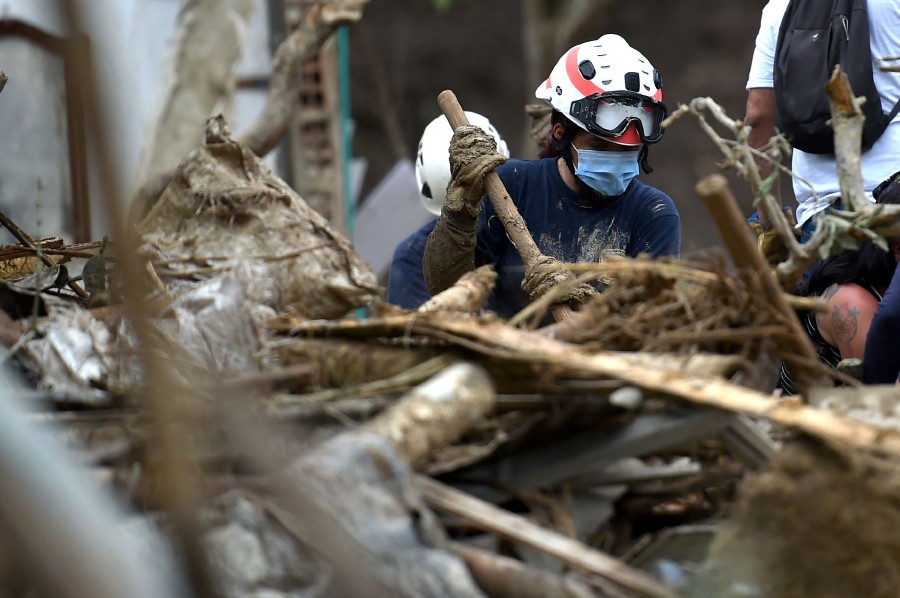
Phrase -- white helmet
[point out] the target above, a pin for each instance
(608, 88)
(433, 158)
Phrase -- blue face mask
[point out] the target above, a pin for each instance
(607, 173)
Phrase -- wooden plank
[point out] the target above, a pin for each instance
(518, 529)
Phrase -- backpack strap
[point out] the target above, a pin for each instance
(893, 112)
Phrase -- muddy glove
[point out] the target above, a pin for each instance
(546, 274)
(770, 242)
(473, 154)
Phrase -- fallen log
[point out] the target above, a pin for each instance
(437, 412)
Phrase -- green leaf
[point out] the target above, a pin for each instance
(766, 186)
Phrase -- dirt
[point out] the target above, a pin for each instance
(225, 209)
(819, 522)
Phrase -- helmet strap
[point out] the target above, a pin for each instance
(643, 158)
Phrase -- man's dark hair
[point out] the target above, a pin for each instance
(562, 147)
(869, 264)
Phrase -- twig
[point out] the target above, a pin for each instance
(402, 381)
(154, 278)
(77, 289)
(24, 238)
(861, 219)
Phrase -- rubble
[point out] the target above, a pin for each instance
(280, 431)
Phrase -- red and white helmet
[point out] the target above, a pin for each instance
(433, 158)
(608, 88)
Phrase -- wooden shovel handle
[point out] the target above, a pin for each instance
(513, 223)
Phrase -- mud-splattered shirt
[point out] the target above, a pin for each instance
(643, 220)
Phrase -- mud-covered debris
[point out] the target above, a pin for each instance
(224, 207)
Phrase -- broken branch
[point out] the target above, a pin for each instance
(738, 238)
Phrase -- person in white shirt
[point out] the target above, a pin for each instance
(816, 185)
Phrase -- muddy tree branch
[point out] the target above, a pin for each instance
(200, 80)
(501, 340)
(281, 104)
(847, 121)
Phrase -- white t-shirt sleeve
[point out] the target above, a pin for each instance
(763, 63)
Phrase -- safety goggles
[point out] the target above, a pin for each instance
(609, 114)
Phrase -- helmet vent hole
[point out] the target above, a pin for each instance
(426, 191)
(607, 81)
(587, 70)
(632, 81)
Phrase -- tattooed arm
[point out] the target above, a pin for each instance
(846, 323)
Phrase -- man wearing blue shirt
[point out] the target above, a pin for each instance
(582, 205)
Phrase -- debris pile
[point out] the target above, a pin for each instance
(325, 443)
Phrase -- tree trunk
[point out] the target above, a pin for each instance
(199, 80)
(550, 28)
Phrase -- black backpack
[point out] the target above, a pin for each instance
(816, 35)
